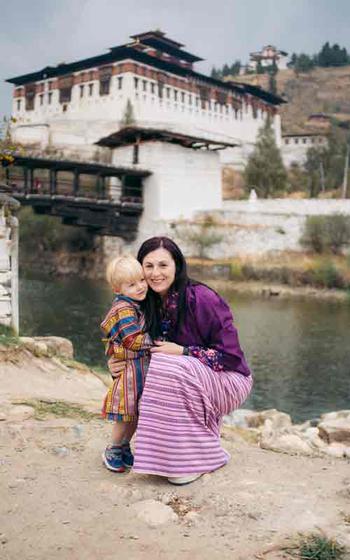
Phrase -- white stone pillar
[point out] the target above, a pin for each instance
(8, 263)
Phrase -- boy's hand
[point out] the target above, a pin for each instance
(116, 367)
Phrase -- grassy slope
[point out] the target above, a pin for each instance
(323, 90)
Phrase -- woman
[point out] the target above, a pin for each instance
(197, 374)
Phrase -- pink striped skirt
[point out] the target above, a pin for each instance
(180, 415)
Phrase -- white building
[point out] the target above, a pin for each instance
(71, 106)
(295, 146)
(268, 56)
(72, 112)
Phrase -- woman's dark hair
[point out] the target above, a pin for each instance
(152, 304)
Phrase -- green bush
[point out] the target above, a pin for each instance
(326, 233)
(326, 275)
(236, 272)
(319, 547)
(45, 233)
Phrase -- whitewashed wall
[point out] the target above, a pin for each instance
(183, 180)
(8, 266)
(86, 119)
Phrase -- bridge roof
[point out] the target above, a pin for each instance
(133, 134)
(80, 166)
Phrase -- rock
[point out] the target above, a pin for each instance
(277, 419)
(60, 451)
(58, 345)
(337, 450)
(239, 417)
(312, 435)
(154, 513)
(335, 428)
(192, 517)
(48, 346)
(18, 413)
(286, 443)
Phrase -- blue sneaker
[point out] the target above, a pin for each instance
(112, 458)
(127, 456)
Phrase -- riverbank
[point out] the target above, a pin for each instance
(52, 438)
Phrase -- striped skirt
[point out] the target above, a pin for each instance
(180, 414)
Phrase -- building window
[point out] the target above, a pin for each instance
(136, 83)
(175, 94)
(286, 141)
(255, 112)
(296, 141)
(41, 99)
(18, 104)
(29, 98)
(49, 98)
(304, 140)
(120, 82)
(91, 89)
(65, 95)
(144, 85)
(104, 86)
(153, 87)
(64, 107)
(168, 92)
(81, 91)
(182, 97)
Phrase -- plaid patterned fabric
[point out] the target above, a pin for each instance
(125, 339)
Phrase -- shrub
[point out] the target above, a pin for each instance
(46, 233)
(326, 233)
(326, 275)
(201, 237)
(319, 547)
(236, 272)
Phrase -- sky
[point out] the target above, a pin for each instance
(37, 33)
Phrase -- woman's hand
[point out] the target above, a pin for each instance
(166, 348)
(116, 367)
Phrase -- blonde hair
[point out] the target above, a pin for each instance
(123, 269)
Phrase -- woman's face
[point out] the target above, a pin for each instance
(159, 268)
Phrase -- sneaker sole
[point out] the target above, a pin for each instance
(183, 480)
(120, 470)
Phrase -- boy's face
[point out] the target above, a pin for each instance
(137, 289)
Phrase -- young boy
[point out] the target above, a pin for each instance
(126, 339)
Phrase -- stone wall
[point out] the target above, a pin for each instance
(8, 262)
(247, 228)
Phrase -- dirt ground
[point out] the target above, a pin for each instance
(58, 501)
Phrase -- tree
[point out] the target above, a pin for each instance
(8, 148)
(225, 70)
(303, 63)
(272, 84)
(327, 164)
(259, 67)
(235, 68)
(215, 73)
(265, 171)
(128, 117)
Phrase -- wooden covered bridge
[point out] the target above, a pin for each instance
(105, 199)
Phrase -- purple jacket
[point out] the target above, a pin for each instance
(209, 324)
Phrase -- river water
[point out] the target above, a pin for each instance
(299, 350)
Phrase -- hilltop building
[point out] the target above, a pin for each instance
(268, 56)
